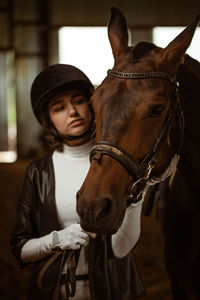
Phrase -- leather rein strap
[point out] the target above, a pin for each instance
(67, 278)
(139, 171)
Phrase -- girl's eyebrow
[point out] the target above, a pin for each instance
(58, 101)
(77, 94)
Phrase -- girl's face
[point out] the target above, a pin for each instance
(70, 114)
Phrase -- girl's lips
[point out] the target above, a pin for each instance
(76, 122)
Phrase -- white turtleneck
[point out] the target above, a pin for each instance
(70, 167)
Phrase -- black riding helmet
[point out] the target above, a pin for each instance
(56, 79)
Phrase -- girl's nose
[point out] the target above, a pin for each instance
(72, 110)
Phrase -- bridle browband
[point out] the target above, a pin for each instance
(144, 75)
(140, 171)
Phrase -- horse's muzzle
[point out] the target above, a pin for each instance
(98, 215)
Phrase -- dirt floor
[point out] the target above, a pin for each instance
(14, 281)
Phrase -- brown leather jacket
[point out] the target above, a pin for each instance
(109, 278)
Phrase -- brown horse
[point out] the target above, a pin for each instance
(141, 108)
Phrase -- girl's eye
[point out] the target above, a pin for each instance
(58, 108)
(156, 110)
(79, 101)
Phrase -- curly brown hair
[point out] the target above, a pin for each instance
(52, 138)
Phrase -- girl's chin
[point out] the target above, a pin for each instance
(76, 132)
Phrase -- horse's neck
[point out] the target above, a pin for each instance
(189, 79)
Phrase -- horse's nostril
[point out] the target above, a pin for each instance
(102, 208)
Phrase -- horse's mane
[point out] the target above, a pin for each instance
(189, 80)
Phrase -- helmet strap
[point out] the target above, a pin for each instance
(76, 137)
(62, 137)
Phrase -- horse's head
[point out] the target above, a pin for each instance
(135, 108)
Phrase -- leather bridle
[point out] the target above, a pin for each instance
(141, 171)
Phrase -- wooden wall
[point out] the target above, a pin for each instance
(29, 35)
(144, 13)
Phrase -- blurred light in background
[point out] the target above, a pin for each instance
(88, 49)
(8, 156)
(162, 36)
(8, 151)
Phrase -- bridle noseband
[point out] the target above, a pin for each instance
(140, 171)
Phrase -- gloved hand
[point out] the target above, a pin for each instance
(71, 237)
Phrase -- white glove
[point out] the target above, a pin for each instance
(71, 237)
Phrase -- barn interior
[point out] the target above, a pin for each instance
(29, 41)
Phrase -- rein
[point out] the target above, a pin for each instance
(67, 278)
(141, 171)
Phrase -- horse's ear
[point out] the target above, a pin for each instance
(117, 32)
(173, 55)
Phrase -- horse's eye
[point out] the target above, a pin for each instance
(156, 110)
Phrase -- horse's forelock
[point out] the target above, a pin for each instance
(141, 49)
